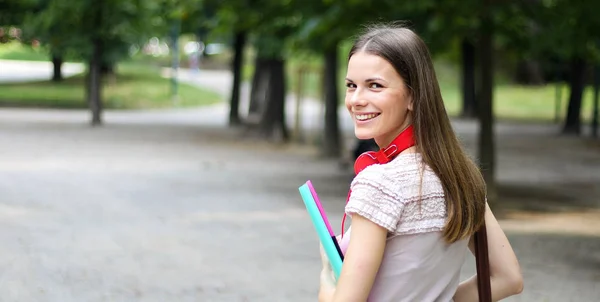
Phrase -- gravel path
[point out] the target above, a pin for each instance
(171, 206)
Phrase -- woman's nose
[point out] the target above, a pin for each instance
(357, 98)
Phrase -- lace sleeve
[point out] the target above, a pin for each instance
(373, 196)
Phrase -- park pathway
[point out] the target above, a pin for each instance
(173, 206)
(20, 71)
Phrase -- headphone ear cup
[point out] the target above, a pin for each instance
(364, 160)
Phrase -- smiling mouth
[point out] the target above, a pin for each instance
(366, 117)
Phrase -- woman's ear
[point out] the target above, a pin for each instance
(410, 103)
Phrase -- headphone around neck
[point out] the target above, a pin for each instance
(402, 142)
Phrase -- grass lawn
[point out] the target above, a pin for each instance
(522, 103)
(134, 87)
(17, 51)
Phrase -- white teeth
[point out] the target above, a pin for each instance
(364, 117)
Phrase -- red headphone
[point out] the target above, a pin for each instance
(402, 142)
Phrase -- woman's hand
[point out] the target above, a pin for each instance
(327, 279)
(505, 273)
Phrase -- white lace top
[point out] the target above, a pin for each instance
(418, 265)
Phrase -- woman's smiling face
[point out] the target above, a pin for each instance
(377, 98)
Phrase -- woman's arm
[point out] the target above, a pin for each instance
(361, 263)
(505, 273)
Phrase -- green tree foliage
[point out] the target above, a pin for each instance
(99, 32)
(12, 12)
(567, 36)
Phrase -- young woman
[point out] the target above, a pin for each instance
(417, 202)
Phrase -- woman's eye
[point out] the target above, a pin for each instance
(375, 86)
(350, 85)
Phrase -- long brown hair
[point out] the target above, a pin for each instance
(463, 184)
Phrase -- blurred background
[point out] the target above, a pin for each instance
(152, 150)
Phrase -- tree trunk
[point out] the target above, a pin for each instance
(576, 83)
(469, 108)
(529, 72)
(107, 68)
(94, 91)
(331, 142)
(57, 62)
(487, 148)
(273, 118)
(258, 90)
(175, 60)
(238, 46)
(268, 95)
(95, 83)
(596, 97)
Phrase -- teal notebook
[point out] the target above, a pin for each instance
(320, 223)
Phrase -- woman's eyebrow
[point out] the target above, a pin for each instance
(369, 79)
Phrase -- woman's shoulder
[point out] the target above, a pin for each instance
(423, 197)
(395, 196)
(411, 191)
(375, 195)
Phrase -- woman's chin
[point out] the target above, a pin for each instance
(363, 135)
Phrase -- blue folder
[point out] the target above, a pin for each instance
(321, 228)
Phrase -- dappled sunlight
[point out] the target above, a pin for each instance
(565, 223)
